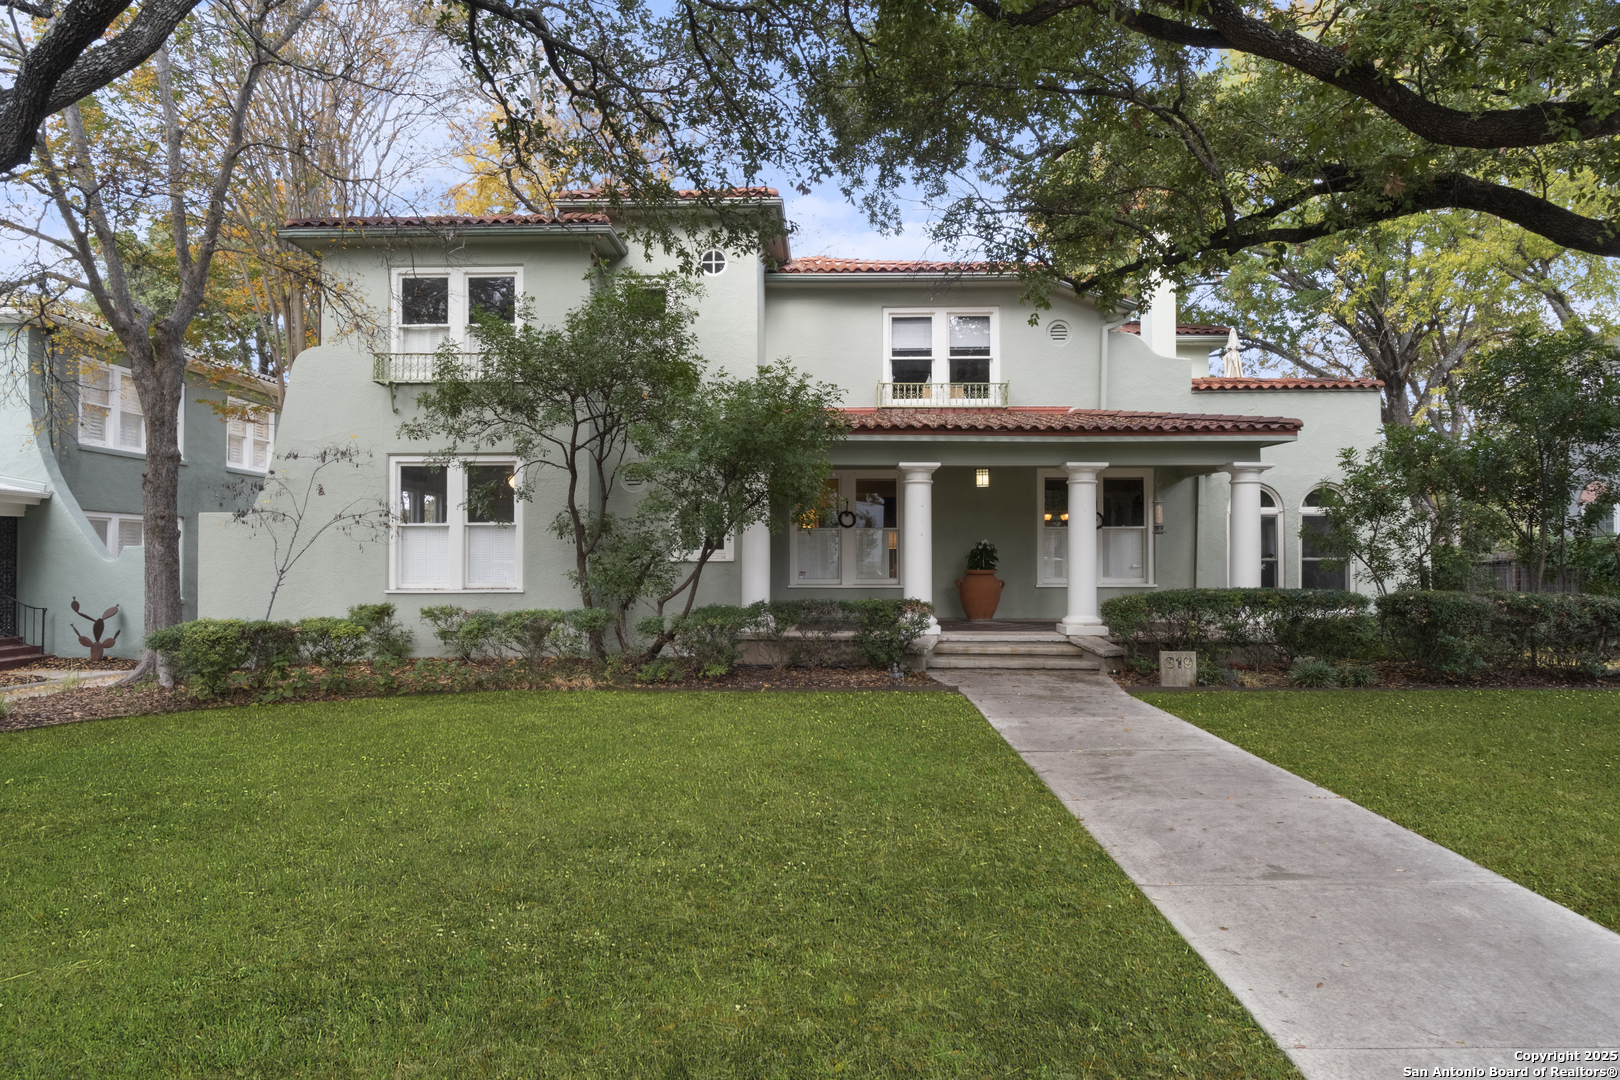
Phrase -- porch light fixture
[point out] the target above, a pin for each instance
(981, 478)
(1158, 515)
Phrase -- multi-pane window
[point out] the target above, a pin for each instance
(1318, 569)
(249, 437)
(940, 346)
(1124, 545)
(116, 531)
(436, 306)
(455, 528)
(110, 412)
(853, 536)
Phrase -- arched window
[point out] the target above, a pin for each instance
(1270, 540)
(1313, 556)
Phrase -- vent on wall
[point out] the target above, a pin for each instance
(1058, 332)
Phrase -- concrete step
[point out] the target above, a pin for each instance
(1006, 648)
(1002, 635)
(1077, 662)
(14, 656)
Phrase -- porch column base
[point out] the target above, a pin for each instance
(1083, 628)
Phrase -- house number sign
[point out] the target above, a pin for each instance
(1178, 669)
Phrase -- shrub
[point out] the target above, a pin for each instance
(711, 636)
(886, 631)
(387, 637)
(1327, 637)
(1438, 630)
(573, 638)
(1357, 675)
(272, 648)
(202, 653)
(468, 633)
(1313, 673)
(532, 634)
(1260, 624)
(332, 642)
(983, 556)
(1209, 673)
(662, 669)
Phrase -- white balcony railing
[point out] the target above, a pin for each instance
(393, 369)
(956, 395)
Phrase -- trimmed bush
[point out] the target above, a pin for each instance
(202, 653)
(886, 631)
(795, 632)
(388, 639)
(331, 642)
(711, 636)
(533, 634)
(1459, 634)
(468, 633)
(1438, 630)
(1257, 624)
(573, 637)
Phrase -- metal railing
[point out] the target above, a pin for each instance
(20, 620)
(396, 368)
(956, 395)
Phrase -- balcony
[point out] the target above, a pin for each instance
(399, 368)
(956, 395)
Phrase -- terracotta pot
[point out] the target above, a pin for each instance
(981, 593)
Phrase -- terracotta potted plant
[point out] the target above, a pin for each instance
(981, 589)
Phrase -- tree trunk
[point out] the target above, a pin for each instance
(159, 373)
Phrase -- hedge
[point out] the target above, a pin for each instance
(1458, 634)
(1259, 625)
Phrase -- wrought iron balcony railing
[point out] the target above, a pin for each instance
(956, 395)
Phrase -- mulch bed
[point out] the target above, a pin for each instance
(1392, 675)
(109, 702)
(81, 663)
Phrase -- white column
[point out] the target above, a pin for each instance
(1243, 537)
(1082, 556)
(917, 508)
(754, 553)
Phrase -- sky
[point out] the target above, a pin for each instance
(830, 226)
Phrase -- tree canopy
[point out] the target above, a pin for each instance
(1092, 140)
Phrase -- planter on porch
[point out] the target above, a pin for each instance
(981, 589)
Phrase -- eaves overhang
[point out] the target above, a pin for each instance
(310, 237)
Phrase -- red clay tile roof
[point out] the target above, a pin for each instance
(1220, 383)
(1198, 329)
(579, 194)
(826, 264)
(448, 221)
(1043, 420)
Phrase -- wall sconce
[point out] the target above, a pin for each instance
(981, 478)
(1158, 515)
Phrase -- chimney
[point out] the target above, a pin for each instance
(1159, 318)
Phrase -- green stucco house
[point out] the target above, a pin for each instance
(974, 415)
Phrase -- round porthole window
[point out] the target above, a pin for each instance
(713, 261)
(1058, 331)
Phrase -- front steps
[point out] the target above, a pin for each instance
(1010, 650)
(14, 652)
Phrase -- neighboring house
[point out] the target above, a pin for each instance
(72, 451)
(974, 417)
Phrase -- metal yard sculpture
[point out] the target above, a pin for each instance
(97, 628)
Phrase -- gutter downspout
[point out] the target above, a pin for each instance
(1102, 364)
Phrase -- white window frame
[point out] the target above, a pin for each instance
(456, 329)
(1299, 555)
(941, 343)
(117, 376)
(846, 550)
(456, 515)
(1147, 578)
(727, 553)
(112, 521)
(238, 428)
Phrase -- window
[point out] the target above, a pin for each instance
(248, 439)
(110, 411)
(713, 261)
(941, 346)
(436, 306)
(853, 536)
(117, 531)
(726, 552)
(455, 529)
(1124, 544)
(1314, 558)
(1270, 532)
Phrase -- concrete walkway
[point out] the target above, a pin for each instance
(1362, 948)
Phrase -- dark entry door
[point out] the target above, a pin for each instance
(8, 576)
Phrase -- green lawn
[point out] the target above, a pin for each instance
(578, 885)
(1525, 782)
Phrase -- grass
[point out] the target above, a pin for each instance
(581, 885)
(1524, 782)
